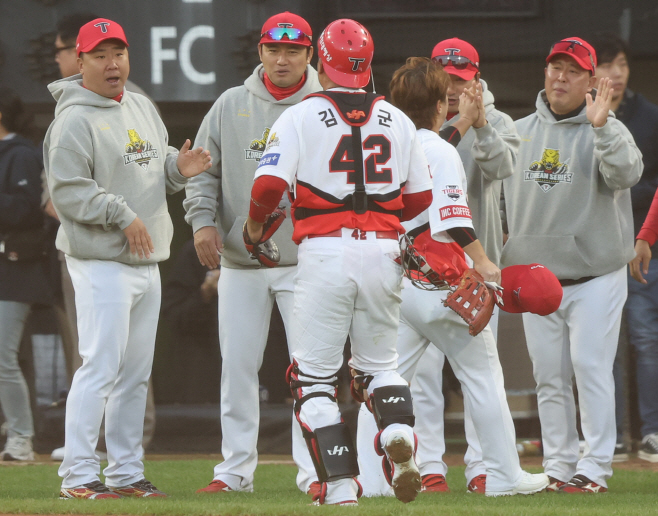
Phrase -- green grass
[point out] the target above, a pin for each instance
(34, 489)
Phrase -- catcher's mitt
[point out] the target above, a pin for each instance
(265, 250)
(473, 300)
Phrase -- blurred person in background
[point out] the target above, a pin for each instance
(641, 118)
(189, 306)
(23, 277)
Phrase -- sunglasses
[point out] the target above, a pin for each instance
(458, 62)
(574, 47)
(61, 49)
(278, 33)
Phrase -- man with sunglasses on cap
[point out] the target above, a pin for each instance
(569, 208)
(235, 131)
(109, 168)
(488, 152)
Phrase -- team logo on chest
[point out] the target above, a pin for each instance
(257, 147)
(549, 171)
(453, 192)
(139, 151)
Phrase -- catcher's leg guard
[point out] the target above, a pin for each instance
(392, 404)
(335, 453)
(331, 447)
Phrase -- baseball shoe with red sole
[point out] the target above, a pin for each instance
(405, 477)
(434, 483)
(216, 486)
(92, 491)
(529, 484)
(477, 485)
(554, 484)
(140, 489)
(582, 484)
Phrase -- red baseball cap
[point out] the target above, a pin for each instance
(458, 57)
(286, 28)
(100, 29)
(579, 49)
(530, 288)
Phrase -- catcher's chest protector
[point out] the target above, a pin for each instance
(355, 110)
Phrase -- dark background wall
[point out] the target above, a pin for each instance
(185, 53)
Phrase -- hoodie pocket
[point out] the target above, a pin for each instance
(234, 249)
(560, 253)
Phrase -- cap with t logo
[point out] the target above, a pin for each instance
(286, 28)
(97, 31)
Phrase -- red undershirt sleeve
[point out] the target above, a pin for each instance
(415, 204)
(649, 230)
(265, 197)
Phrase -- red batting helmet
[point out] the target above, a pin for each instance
(346, 49)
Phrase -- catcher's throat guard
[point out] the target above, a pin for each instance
(417, 269)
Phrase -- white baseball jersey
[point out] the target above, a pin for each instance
(448, 209)
(311, 147)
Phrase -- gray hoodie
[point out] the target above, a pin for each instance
(235, 131)
(108, 162)
(569, 203)
(489, 155)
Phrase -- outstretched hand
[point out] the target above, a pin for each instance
(468, 106)
(597, 109)
(479, 99)
(191, 162)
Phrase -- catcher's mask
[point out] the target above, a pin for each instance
(417, 269)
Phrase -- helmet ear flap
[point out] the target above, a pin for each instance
(416, 268)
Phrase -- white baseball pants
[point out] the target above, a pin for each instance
(427, 390)
(117, 309)
(347, 286)
(580, 340)
(424, 320)
(246, 299)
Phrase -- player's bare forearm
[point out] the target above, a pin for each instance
(254, 229)
(481, 263)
